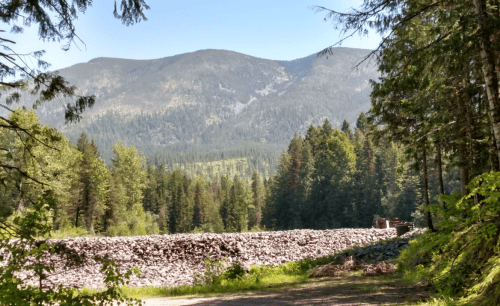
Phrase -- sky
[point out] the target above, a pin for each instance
(272, 29)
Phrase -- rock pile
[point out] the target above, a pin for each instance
(168, 260)
(371, 258)
(383, 250)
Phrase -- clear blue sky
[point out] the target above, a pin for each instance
(272, 29)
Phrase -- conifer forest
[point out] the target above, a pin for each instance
(328, 178)
(427, 152)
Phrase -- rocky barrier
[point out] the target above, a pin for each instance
(168, 260)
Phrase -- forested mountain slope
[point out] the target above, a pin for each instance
(213, 100)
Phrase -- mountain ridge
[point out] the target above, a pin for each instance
(212, 99)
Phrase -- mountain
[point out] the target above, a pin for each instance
(213, 100)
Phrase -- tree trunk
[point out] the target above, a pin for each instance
(89, 218)
(77, 215)
(461, 125)
(88, 207)
(464, 171)
(494, 162)
(439, 164)
(20, 198)
(473, 149)
(426, 190)
(489, 71)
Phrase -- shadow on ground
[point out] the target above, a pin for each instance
(345, 291)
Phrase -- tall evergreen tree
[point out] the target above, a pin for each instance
(293, 178)
(327, 127)
(92, 184)
(362, 122)
(346, 128)
(306, 177)
(278, 205)
(181, 207)
(255, 209)
(129, 217)
(237, 206)
(199, 198)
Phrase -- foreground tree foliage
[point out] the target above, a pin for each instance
(438, 96)
(461, 259)
(36, 202)
(36, 162)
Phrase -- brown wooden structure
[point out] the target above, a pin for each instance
(384, 223)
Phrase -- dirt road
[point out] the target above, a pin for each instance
(345, 291)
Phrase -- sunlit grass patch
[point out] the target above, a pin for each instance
(257, 279)
(262, 279)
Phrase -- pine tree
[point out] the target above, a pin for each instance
(237, 206)
(129, 217)
(199, 205)
(342, 164)
(181, 208)
(306, 176)
(225, 193)
(279, 203)
(269, 208)
(327, 128)
(91, 186)
(293, 199)
(362, 122)
(346, 128)
(368, 188)
(255, 209)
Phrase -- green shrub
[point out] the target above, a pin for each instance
(69, 232)
(306, 264)
(119, 229)
(235, 271)
(257, 229)
(214, 268)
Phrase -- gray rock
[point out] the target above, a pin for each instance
(169, 260)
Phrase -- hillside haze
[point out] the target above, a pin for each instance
(213, 100)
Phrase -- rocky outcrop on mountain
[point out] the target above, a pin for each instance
(168, 260)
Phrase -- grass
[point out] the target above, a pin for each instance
(353, 287)
(258, 279)
(290, 277)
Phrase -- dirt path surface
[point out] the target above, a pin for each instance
(344, 291)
